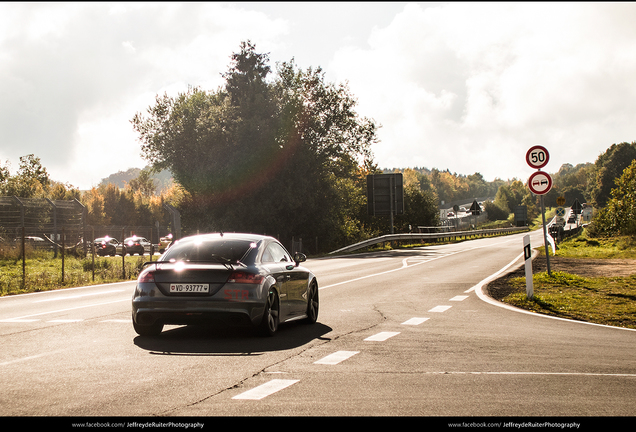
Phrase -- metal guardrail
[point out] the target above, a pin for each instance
(430, 236)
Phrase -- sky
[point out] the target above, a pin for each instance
(467, 87)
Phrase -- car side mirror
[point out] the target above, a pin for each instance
(299, 257)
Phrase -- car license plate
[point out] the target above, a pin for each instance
(189, 288)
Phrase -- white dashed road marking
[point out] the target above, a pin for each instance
(382, 336)
(266, 389)
(414, 321)
(337, 357)
(440, 308)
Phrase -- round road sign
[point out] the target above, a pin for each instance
(540, 183)
(537, 157)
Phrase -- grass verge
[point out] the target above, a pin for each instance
(607, 300)
(44, 273)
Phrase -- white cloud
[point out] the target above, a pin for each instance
(464, 86)
(73, 76)
(467, 86)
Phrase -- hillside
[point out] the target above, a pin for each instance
(163, 179)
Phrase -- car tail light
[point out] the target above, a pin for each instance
(245, 277)
(147, 276)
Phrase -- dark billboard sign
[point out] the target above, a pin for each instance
(385, 194)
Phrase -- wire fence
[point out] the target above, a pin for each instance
(43, 229)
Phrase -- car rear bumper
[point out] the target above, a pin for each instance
(232, 318)
(147, 310)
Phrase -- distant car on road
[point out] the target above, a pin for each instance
(33, 241)
(107, 246)
(164, 243)
(137, 245)
(232, 278)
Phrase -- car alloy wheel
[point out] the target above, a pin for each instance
(312, 304)
(270, 322)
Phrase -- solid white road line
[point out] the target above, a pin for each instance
(65, 320)
(479, 291)
(18, 360)
(77, 296)
(22, 318)
(404, 266)
(266, 389)
(591, 374)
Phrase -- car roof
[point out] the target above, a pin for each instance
(232, 236)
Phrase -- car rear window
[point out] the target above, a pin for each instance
(217, 250)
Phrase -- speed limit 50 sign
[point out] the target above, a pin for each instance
(537, 157)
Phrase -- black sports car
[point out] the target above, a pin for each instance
(235, 278)
(107, 246)
(137, 245)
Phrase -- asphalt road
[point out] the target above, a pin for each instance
(400, 333)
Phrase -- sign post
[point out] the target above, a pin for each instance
(560, 216)
(540, 184)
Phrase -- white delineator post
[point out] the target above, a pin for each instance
(527, 254)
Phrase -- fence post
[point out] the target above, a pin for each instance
(23, 259)
(63, 254)
(83, 223)
(54, 226)
(93, 250)
(123, 254)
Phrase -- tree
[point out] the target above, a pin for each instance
(61, 191)
(143, 183)
(94, 202)
(508, 197)
(31, 180)
(608, 167)
(505, 199)
(570, 182)
(619, 215)
(477, 186)
(259, 155)
(495, 212)
(4, 176)
(420, 209)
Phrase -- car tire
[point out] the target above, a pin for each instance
(271, 318)
(148, 329)
(312, 304)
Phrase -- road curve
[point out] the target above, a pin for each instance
(400, 333)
